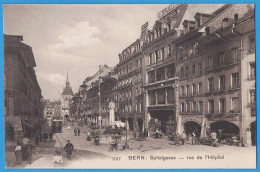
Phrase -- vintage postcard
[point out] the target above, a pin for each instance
(129, 86)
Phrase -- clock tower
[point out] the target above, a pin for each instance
(66, 97)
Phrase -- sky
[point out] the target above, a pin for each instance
(80, 37)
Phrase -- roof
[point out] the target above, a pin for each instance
(100, 74)
(67, 91)
(13, 43)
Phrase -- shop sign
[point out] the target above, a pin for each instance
(167, 10)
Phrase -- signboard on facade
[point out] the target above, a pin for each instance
(167, 10)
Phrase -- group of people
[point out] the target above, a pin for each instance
(43, 136)
(76, 131)
(24, 151)
(141, 135)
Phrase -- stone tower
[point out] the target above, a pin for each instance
(66, 97)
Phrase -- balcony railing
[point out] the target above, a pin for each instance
(233, 87)
(222, 111)
(209, 68)
(234, 111)
(221, 88)
(210, 90)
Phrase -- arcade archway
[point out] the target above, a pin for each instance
(191, 126)
(229, 129)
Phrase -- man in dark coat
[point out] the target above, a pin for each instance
(29, 151)
(75, 131)
(69, 149)
(78, 131)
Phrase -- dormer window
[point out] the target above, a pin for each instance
(224, 22)
(236, 16)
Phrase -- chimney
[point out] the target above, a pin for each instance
(100, 68)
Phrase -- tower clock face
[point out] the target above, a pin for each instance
(66, 99)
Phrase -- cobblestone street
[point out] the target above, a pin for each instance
(87, 155)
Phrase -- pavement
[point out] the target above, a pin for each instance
(152, 153)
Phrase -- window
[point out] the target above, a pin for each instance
(157, 55)
(187, 72)
(200, 107)
(161, 96)
(211, 106)
(193, 90)
(136, 63)
(224, 22)
(188, 107)
(152, 98)
(193, 69)
(169, 49)
(196, 48)
(151, 77)
(222, 84)
(194, 106)
(182, 107)
(151, 59)
(234, 104)
(252, 97)
(222, 108)
(182, 91)
(210, 62)
(182, 72)
(187, 90)
(252, 45)
(234, 81)
(163, 55)
(236, 16)
(170, 95)
(234, 52)
(210, 84)
(160, 74)
(199, 68)
(252, 70)
(221, 59)
(200, 88)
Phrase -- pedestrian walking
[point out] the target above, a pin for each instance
(134, 135)
(88, 136)
(75, 131)
(18, 153)
(193, 137)
(45, 135)
(29, 149)
(69, 149)
(51, 135)
(220, 134)
(78, 131)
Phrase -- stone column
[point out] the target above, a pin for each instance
(112, 114)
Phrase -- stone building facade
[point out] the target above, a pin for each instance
(96, 94)
(160, 70)
(22, 91)
(129, 86)
(214, 66)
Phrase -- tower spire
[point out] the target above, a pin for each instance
(67, 80)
